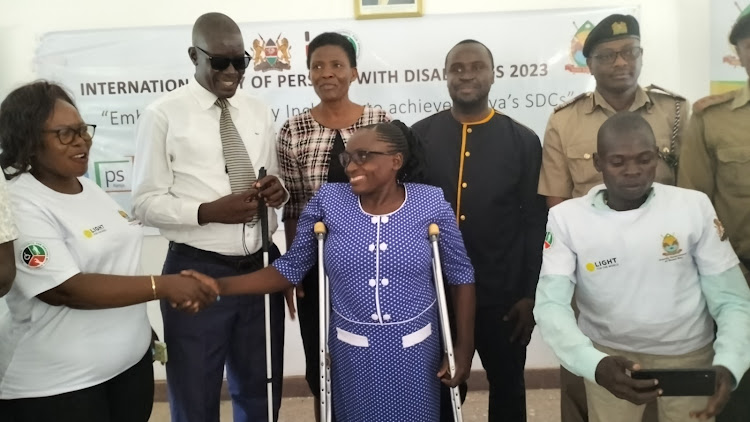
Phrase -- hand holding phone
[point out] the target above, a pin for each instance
(681, 382)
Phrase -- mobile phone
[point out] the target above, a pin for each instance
(681, 382)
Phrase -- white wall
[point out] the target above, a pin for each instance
(674, 36)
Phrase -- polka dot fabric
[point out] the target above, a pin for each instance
(384, 334)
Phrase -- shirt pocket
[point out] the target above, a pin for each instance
(581, 165)
(733, 170)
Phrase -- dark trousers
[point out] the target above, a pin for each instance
(230, 332)
(504, 363)
(738, 407)
(127, 397)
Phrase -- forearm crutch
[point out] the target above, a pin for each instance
(263, 214)
(324, 318)
(437, 269)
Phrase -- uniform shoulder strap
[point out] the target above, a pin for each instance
(572, 101)
(712, 100)
(660, 90)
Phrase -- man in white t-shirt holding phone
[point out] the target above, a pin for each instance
(653, 270)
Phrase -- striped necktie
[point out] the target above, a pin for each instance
(239, 167)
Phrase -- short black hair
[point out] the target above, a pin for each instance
(23, 114)
(403, 140)
(624, 122)
(469, 41)
(740, 30)
(336, 39)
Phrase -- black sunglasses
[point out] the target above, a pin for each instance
(359, 156)
(221, 63)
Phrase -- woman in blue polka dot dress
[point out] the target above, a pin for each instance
(384, 335)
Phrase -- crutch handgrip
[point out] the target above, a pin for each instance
(433, 230)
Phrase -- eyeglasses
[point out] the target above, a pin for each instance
(359, 156)
(67, 134)
(628, 54)
(221, 63)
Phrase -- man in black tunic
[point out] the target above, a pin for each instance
(488, 167)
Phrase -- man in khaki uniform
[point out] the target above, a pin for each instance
(614, 57)
(716, 160)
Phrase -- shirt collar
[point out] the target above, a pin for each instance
(486, 119)
(742, 97)
(205, 97)
(598, 202)
(641, 99)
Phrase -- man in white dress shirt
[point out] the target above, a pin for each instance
(199, 149)
(8, 234)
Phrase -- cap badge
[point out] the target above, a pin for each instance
(619, 28)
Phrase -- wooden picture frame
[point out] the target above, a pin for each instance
(379, 9)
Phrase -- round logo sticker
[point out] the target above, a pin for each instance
(35, 255)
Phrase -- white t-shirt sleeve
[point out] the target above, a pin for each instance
(43, 260)
(8, 230)
(713, 252)
(558, 257)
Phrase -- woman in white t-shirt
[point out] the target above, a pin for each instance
(76, 346)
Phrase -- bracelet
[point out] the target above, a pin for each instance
(153, 286)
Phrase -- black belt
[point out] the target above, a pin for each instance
(252, 261)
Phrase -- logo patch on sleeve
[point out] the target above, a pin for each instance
(35, 255)
(720, 229)
(549, 239)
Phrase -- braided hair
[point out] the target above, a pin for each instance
(403, 140)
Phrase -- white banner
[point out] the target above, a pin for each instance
(727, 74)
(114, 74)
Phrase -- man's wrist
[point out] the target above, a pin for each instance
(204, 213)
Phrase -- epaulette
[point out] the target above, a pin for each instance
(712, 100)
(569, 102)
(653, 87)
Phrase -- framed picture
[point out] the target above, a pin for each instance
(375, 9)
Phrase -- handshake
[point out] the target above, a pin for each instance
(189, 291)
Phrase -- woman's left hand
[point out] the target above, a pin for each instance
(463, 368)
